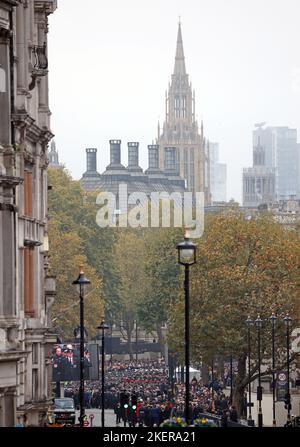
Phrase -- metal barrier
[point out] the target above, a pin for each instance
(217, 419)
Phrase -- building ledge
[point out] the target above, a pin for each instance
(8, 180)
(35, 405)
(8, 356)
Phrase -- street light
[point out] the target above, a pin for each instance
(231, 380)
(288, 322)
(187, 257)
(103, 327)
(81, 283)
(273, 321)
(249, 324)
(258, 324)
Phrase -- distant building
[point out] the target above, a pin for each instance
(180, 160)
(276, 166)
(180, 130)
(218, 175)
(53, 156)
(152, 180)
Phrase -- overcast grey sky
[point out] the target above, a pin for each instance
(110, 63)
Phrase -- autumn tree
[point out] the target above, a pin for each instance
(129, 252)
(161, 278)
(245, 267)
(72, 232)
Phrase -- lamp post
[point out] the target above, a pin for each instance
(231, 380)
(111, 344)
(103, 327)
(81, 283)
(273, 321)
(258, 324)
(136, 341)
(187, 257)
(288, 322)
(249, 324)
(212, 382)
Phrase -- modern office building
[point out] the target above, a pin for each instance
(275, 174)
(218, 175)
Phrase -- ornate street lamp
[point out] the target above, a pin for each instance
(258, 324)
(81, 283)
(103, 328)
(273, 319)
(288, 322)
(249, 324)
(187, 257)
(231, 379)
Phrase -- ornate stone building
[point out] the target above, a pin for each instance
(26, 291)
(180, 137)
(116, 174)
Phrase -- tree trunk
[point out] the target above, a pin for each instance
(160, 340)
(204, 374)
(239, 388)
(128, 329)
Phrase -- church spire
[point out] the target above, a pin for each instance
(179, 67)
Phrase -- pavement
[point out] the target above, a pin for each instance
(109, 417)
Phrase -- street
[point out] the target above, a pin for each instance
(110, 417)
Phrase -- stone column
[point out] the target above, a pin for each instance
(20, 43)
(5, 128)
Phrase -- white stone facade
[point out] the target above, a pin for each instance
(26, 292)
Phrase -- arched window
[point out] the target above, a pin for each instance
(177, 107)
(184, 107)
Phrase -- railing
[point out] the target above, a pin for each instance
(217, 419)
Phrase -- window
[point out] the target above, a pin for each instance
(177, 107)
(184, 107)
(28, 193)
(35, 353)
(29, 282)
(35, 384)
(186, 165)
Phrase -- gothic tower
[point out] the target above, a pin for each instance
(53, 156)
(180, 129)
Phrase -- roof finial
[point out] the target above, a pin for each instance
(179, 58)
(179, 20)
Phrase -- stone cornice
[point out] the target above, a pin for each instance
(47, 6)
(9, 207)
(10, 3)
(10, 181)
(34, 133)
(8, 322)
(8, 356)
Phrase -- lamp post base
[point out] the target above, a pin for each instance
(250, 422)
(260, 420)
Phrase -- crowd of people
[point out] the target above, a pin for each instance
(146, 383)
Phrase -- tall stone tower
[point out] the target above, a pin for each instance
(53, 156)
(180, 130)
